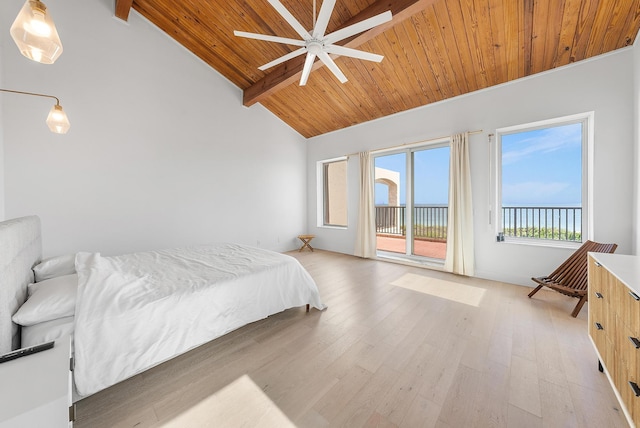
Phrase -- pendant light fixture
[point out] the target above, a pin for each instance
(35, 33)
(57, 121)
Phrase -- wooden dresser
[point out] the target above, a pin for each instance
(614, 324)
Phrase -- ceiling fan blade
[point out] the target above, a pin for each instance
(353, 53)
(290, 19)
(269, 38)
(323, 18)
(324, 57)
(308, 63)
(358, 27)
(282, 59)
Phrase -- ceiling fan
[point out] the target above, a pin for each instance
(315, 43)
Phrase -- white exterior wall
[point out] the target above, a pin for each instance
(600, 85)
(160, 153)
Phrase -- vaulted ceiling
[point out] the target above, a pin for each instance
(433, 49)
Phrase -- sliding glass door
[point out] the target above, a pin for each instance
(390, 200)
(411, 197)
(430, 202)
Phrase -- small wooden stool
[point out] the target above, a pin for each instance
(306, 241)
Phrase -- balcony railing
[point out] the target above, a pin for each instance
(553, 223)
(430, 221)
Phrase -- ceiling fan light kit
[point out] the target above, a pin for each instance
(315, 43)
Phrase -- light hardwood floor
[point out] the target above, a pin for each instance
(381, 355)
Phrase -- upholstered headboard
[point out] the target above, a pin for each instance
(20, 250)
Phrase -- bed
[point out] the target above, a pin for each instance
(132, 312)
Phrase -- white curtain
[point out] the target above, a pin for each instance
(460, 258)
(366, 230)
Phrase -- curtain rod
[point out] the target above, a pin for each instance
(478, 131)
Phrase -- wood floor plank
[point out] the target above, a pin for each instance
(557, 405)
(524, 389)
(459, 407)
(422, 413)
(439, 375)
(596, 409)
(493, 400)
(519, 418)
(400, 396)
(359, 409)
(380, 355)
(333, 402)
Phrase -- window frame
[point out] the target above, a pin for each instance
(321, 181)
(587, 120)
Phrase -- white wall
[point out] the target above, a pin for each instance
(636, 145)
(600, 85)
(2, 217)
(161, 151)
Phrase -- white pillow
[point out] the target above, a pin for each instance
(47, 331)
(55, 266)
(48, 300)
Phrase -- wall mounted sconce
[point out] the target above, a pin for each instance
(57, 120)
(35, 33)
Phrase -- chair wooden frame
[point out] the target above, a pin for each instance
(570, 278)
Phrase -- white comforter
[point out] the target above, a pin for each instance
(138, 310)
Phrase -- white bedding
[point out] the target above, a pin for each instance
(47, 331)
(138, 310)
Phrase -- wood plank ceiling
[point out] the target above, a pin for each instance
(434, 49)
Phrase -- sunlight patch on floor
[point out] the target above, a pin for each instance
(241, 403)
(441, 288)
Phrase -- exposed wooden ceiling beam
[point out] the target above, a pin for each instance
(290, 71)
(122, 9)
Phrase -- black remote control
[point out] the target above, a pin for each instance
(25, 351)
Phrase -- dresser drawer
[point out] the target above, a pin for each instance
(602, 328)
(628, 346)
(628, 386)
(598, 278)
(628, 303)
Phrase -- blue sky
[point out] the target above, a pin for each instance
(432, 176)
(541, 167)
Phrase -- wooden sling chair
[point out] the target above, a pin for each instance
(570, 278)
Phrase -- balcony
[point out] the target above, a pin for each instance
(430, 227)
(429, 230)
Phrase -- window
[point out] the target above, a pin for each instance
(542, 181)
(334, 192)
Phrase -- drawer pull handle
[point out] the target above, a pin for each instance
(635, 387)
(597, 264)
(599, 326)
(599, 295)
(635, 341)
(634, 295)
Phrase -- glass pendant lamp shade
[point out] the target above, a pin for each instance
(57, 120)
(35, 33)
